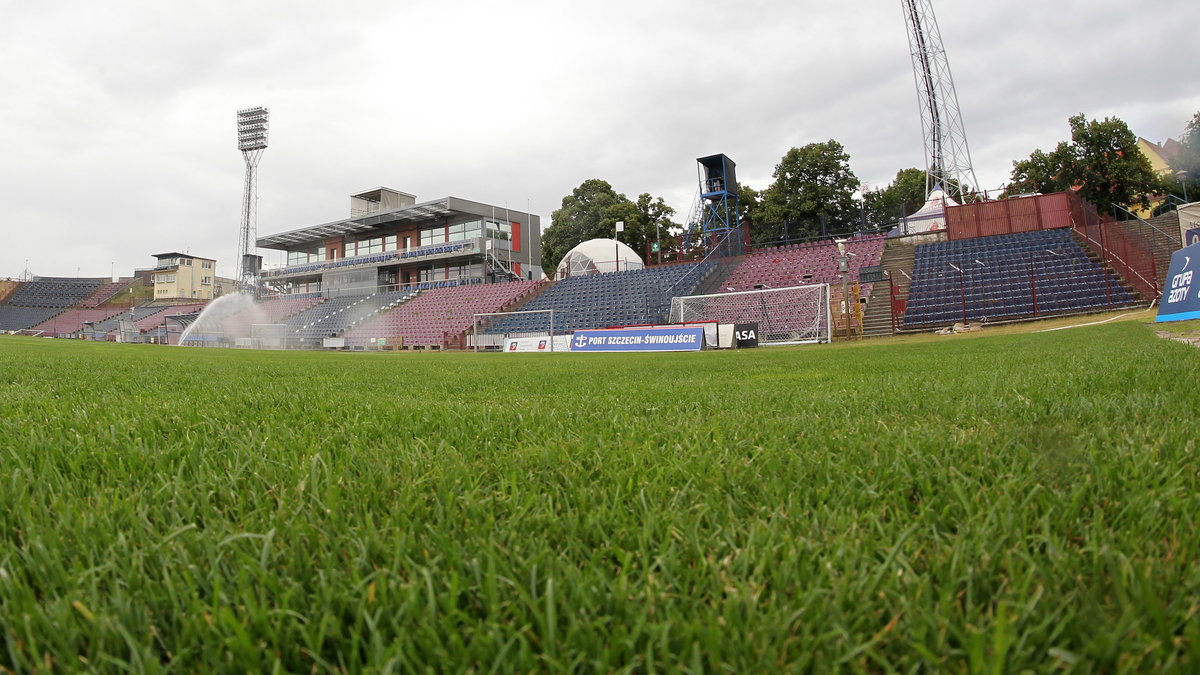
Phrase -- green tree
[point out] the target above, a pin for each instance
(811, 183)
(904, 196)
(644, 219)
(750, 208)
(1042, 172)
(1187, 160)
(592, 210)
(1102, 162)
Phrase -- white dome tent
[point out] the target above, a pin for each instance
(595, 256)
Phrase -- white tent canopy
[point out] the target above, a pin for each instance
(932, 216)
(599, 255)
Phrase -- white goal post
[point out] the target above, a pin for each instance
(792, 315)
(489, 330)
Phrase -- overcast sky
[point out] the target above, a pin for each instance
(117, 121)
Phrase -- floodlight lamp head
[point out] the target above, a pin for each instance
(252, 126)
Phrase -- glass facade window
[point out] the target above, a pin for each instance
(367, 246)
(498, 230)
(301, 257)
(389, 242)
(355, 281)
(465, 271)
(464, 231)
(435, 235)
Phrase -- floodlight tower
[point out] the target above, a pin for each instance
(252, 140)
(947, 158)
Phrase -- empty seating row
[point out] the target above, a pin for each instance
(432, 316)
(334, 315)
(610, 299)
(797, 265)
(144, 318)
(53, 292)
(1007, 276)
(21, 318)
(105, 293)
(72, 320)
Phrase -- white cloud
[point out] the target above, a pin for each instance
(118, 139)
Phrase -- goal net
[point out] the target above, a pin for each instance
(792, 315)
(533, 328)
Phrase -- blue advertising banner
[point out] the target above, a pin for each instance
(1181, 297)
(1192, 236)
(687, 339)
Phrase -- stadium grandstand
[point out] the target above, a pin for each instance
(1008, 276)
(37, 301)
(414, 275)
(438, 317)
(71, 322)
(1021, 258)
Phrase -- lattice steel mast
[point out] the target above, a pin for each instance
(252, 140)
(947, 157)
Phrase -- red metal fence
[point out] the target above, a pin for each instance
(1009, 216)
(1128, 253)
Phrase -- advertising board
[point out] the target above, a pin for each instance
(688, 338)
(1181, 295)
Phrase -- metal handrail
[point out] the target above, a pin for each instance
(1117, 209)
(699, 263)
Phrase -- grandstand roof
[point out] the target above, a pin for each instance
(176, 254)
(447, 206)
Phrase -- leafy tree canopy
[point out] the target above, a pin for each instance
(811, 182)
(1188, 161)
(592, 210)
(1102, 162)
(904, 196)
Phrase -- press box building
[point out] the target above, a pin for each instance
(391, 240)
(180, 275)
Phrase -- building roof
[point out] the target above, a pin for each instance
(413, 213)
(176, 254)
(375, 191)
(339, 228)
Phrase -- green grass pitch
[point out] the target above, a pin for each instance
(972, 504)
